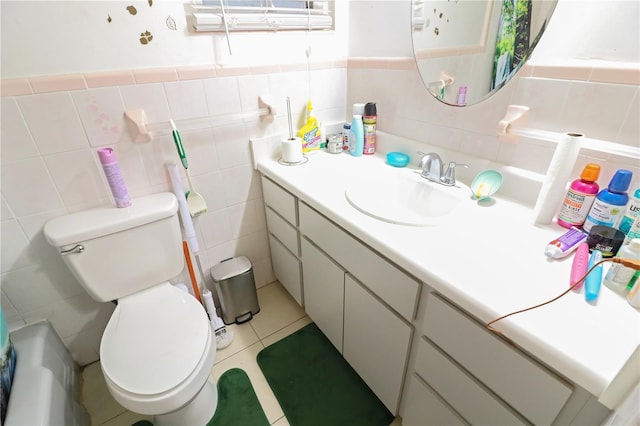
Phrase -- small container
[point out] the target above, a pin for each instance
(462, 95)
(346, 130)
(236, 289)
(334, 144)
(605, 239)
(633, 297)
(619, 275)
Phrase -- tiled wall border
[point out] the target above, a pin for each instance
(594, 71)
(79, 81)
(586, 71)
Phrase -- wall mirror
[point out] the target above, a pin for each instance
(466, 50)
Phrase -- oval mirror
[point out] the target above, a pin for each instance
(466, 50)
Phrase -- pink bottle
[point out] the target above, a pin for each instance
(580, 197)
(114, 177)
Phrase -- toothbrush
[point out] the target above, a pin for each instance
(594, 279)
(579, 266)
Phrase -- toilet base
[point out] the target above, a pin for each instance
(197, 412)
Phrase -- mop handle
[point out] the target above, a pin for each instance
(194, 282)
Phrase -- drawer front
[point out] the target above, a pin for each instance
(525, 385)
(283, 231)
(422, 407)
(464, 394)
(389, 283)
(287, 268)
(279, 200)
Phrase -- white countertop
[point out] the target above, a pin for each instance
(489, 260)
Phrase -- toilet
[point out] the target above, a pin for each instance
(158, 348)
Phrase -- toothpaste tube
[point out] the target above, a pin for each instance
(565, 244)
(594, 279)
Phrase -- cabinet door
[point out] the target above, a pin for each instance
(376, 342)
(286, 268)
(323, 292)
(424, 408)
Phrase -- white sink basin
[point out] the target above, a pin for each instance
(406, 198)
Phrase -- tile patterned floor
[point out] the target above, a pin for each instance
(279, 316)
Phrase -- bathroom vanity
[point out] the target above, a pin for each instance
(406, 305)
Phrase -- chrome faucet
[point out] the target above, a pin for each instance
(431, 165)
(449, 177)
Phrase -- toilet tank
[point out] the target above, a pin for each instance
(115, 252)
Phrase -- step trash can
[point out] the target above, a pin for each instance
(236, 289)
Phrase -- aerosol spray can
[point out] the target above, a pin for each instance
(369, 120)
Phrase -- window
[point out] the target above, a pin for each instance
(262, 15)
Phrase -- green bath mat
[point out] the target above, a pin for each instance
(237, 402)
(316, 386)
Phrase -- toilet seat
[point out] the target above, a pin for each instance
(154, 341)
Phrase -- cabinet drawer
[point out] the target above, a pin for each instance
(465, 395)
(279, 200)
(389, 283)
(287, 268)
(283, 231)
(525, 385)
(422, 407)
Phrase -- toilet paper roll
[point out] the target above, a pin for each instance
(558, 175)
(292, 150)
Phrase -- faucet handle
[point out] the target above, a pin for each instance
(449, 177)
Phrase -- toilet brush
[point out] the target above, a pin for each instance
(224, 337)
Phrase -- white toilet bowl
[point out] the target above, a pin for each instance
(157, 353)
(158, 348)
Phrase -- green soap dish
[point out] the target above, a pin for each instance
(485, 184)
(397, 159)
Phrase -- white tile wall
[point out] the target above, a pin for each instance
(49, 164)
(50, 167)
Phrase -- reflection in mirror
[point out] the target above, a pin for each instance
(468, 49)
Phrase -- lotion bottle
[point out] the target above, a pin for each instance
(356, 136)
(580, 197)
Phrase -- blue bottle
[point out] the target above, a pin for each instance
(609, 205)
(356, 137)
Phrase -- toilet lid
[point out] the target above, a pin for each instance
(154, 340)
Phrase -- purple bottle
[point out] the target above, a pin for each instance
(580, 197)
(114, 177)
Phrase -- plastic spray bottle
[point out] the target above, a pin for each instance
(633, 210)
(356, 136)
(369, 120)
(580, 197)
(310, 133)
(608, 207)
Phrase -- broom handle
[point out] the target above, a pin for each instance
(194, 281)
